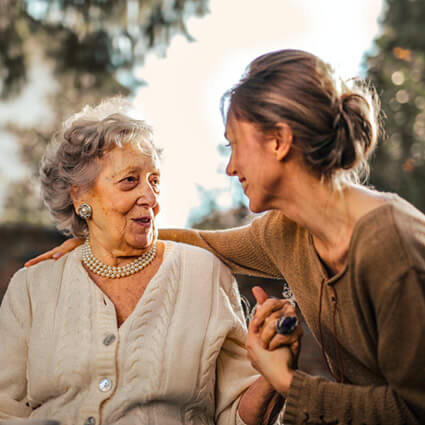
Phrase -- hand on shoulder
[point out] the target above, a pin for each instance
(56, 252)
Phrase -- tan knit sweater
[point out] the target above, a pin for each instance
(177, 359)
(372, 323)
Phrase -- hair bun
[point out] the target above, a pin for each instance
(354, 130)
(334, 123)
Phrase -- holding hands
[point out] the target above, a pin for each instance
(273, 354)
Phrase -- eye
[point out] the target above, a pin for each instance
(155, 182)
(129, 179)
(129, 182)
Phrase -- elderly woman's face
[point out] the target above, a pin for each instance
(124, 200)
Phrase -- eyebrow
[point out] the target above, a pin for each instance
(133, 169)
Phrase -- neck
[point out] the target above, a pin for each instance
(329, 215)
(111, 272)
(315, 206)
(118, 255)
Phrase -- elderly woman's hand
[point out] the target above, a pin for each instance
(274, 364)
(56, 252)
(268, 311)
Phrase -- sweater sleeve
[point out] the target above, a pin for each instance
(245, 249)
(15, 322)
(234, 373)
(400, 316)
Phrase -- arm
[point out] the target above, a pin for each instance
(262, 353)
(245, 250)
(259, 403)
(14, 329)
(400, 315)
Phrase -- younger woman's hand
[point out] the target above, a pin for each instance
(275, 364)
(57, 252)
(268, 312)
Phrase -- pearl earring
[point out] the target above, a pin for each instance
(85, 211)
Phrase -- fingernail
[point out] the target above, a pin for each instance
(57, 255)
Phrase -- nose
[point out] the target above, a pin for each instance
(230, 169)
(147, 196)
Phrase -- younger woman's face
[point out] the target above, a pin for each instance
(254, 162)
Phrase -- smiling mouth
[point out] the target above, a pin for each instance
(243, 183)
(143, 221)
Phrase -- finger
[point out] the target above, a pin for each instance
(295, 350)
(271, 305)
(53, 253)
(264, 311)
(251, 344)
(260, 294)
(56, 252)
(268, 332)
(279, 340)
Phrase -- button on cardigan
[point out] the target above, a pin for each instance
(179, 358)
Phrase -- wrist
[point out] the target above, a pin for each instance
(283, 382)
(266, 386)
(259, 402)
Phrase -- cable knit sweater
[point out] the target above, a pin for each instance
(371, 321)
(177, 359)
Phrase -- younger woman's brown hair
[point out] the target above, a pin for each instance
(335, 124)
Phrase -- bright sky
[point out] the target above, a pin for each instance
(182, 97)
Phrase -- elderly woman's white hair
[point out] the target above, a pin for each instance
(72, 156)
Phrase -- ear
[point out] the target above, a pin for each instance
(283, 141)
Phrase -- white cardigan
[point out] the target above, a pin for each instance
(179, 358)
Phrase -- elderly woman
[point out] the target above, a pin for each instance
(125, 329)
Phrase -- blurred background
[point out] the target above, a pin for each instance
(174, 59)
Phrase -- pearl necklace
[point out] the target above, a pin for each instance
(114, 272)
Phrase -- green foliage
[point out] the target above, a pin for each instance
(397, 71)
(95, 36)
(13, 30)
(92, 48)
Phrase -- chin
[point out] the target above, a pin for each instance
(256, 207)
(142, 241)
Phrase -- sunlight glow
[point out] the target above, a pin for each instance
(183, 93)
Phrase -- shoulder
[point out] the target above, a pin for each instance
(273, 222)
(275, 233)
(389, 241)
(47, 270)
(193, 256)
(282, 240)
(409, 223)
(42, 278)
(199, 267)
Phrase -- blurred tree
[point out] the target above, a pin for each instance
(397, 70)
(209, 214)
(93, 36)
(92, 48)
